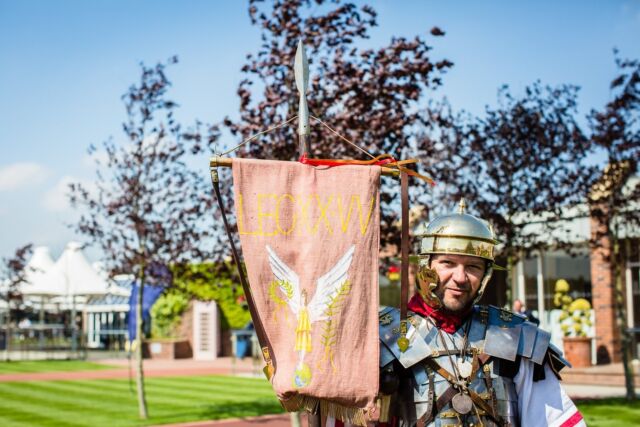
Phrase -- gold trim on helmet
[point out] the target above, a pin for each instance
(460, 234)
(455, 234)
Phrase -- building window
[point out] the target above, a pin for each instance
(531, 283)
(574, 269)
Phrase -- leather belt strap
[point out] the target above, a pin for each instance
(494, 402)
(428, 417)
(269, 370)
(483, 358)
(446, 397)
(489, 409)
(404, 245)
(448, 375)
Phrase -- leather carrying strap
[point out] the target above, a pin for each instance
(257, 323)
(486, 407)
(494, 403)
(446, 397)
(404, 245)
(427, 418)
(449, 376)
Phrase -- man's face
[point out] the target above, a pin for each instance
(517, 306)
(460, 278)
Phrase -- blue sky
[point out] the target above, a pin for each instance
(65, 65)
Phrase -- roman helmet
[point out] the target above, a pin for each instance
(458, 233)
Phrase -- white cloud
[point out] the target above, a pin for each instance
(56, 199)
(20, 175)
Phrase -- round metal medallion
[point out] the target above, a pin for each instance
(462, 403)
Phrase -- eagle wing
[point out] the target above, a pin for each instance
(288, 280)
(328, 286)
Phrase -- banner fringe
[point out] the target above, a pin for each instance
(347, 414)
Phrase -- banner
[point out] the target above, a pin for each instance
(310, 240)
(150, 294)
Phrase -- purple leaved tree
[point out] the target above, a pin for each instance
(148, 211)
(521, 166)
(13, 275)
(371, 96)
(614, 206)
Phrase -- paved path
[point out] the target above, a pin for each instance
(152, 368)
(282, 420)
(588, 391)
(576, 391)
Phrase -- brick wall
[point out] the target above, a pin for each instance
(185, 331)
(166, 349)
(603, 297)
(179, 348)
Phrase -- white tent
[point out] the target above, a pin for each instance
(37, 267)
(41, 260)
(70, 276)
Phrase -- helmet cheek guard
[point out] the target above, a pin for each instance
(428, 282)
(458, 234)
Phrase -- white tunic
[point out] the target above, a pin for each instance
(544, 403)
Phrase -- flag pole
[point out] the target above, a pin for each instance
(301, 72)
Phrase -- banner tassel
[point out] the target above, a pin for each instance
(346, 414)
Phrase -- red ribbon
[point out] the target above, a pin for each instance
(381, 160)
(341, 162)
(446, 321)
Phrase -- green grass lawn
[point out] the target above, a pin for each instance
(179, 399)
(49, 366)
(113, 402)
(610, 412)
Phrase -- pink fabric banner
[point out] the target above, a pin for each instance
(310, 240)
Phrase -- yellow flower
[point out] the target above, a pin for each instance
(557, 299)
(562, 286)
(567, 299)
(563, 316)
(580, 304)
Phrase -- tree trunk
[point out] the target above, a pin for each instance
(8, 332)
(622, 320)
(142, 398)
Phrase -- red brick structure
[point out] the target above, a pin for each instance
(604, 296)
(603, 201)
(167, 349)
(179, 348)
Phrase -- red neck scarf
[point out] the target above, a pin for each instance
(448, 322)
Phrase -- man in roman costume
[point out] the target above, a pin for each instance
(465, 364)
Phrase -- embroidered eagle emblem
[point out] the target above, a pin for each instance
(330, 292)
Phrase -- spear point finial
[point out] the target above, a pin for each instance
(301, 71)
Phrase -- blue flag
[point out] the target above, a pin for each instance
(150, 294)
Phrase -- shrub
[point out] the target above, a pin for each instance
(575, 319)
